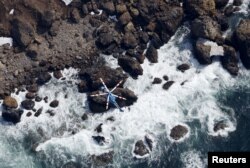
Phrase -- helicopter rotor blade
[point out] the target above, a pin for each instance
(104, 85)
(116, 86)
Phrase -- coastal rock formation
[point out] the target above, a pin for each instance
(230, 60)
(242, 36)
(103, 159)
(202, 53)
(178, 132)
(10, 102)
(140, 148)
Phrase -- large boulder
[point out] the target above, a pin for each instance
(12, 115)
(92, 77)
(140, 149)
(230, 60)
(125, 18)
(109, 7)
(178, 132)
(242, 36)
(195, 8)
(10, 102)
(202, 53)
(22, 32)
(98, 104)
(206, 27)
(152, 54)
(131, 66)
(129, 41)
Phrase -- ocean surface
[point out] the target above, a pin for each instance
(209, 95)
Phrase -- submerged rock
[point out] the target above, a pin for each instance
(178, 132)
(221, 125)
(140, 149)
(103, 159)
(84, 117)
(10, 102)
(99, 139)
(99, 128)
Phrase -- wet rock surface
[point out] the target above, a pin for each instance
(140, 148)
(178, 132)
(103, 159)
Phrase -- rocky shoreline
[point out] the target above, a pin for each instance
(50, 36)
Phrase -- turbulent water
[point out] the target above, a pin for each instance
(209, 94)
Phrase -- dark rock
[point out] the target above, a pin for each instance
(221, 125)
(29, 114)
(183, 67)
(10, 102)
(50, 112)
(223, 21)
(167, 85)
(140, 148)
(99, 139)
(111, 119)
(230, 60)
(131, 66)
(28, 104)
(221, 3)
(75, 16)
(39, 112)
(46, 99)
(157, 81)
(58, 74)
(54, 103)
(109, 7)
(125, 18)
(129, 41)
(202, 53)
(99, 128)
(43, 78)
(22, 32)
(72, 164)
(144, 38)
(12, 115)
(84, 117)
(30, 95)
(82, 86)
(32, 51)
(98, 104)
(206, 27)
(229, 10)
(121, 8)
(196, 8)
(242, 36)
(237, 2)
(178, 132)
(103, 159)
(149, 142)
(38, 99)
(110, 76)
(165, 77)
(152, 54)
(156, 41)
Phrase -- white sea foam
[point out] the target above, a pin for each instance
(6, 40)
(192, 159)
